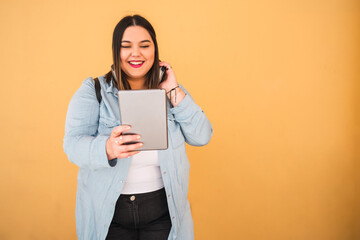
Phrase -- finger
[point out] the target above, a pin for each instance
(167, 65)
(118, 140)
(127, 138)
(119, 129)
(130, 147)
(127, 154)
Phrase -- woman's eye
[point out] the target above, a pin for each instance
(125, 46)
(144, 46)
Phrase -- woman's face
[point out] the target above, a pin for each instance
(137, 53)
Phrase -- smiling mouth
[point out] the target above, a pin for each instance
(136, 64)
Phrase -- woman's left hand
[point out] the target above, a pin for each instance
(177, 95)
(170, 79)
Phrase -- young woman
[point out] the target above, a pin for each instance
(123, 193)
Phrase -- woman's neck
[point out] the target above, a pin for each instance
(137, 84)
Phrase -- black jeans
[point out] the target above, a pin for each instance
(142, 216)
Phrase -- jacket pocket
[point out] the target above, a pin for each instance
(107, 124)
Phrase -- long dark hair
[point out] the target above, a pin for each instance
(152, 77)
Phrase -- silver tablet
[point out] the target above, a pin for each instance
(146, 112)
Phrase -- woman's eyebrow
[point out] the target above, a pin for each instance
(126, 41)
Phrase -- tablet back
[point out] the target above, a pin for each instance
(146, 112)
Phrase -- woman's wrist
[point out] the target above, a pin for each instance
(175, 95)
(110, 155)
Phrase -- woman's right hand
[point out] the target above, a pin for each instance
(115, 147)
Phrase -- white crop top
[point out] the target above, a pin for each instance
(144, 173)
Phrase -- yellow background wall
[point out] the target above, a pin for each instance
(279, 80)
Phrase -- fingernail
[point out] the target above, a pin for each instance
(141, 144)
(138, 137)
(127, 127)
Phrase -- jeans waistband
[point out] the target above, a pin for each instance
(145, 195)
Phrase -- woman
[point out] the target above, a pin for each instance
(123, 193)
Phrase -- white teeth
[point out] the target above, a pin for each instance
(136, 63)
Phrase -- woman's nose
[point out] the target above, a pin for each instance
(135, 52)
